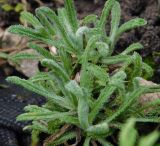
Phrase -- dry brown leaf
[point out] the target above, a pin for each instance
(53, 50)
(77, 77)
(60, 2)
(13, 44)
(146, 98)
(2, 61)
(27, 67)
(1, 33)
(56, 135)
(10, 40)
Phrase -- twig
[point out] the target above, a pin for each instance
(25, 4)
(40, 2)
(78, 137)
(8, 49)
(2, 62)
(56, 135)
(61, 2)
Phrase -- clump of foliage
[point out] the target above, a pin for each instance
(90, 89)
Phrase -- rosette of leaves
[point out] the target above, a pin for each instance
(90, 89)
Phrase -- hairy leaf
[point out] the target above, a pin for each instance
(71, 14)
(37, 89)
(116, 14)
(132, 47)
(105, 14)
(31, 19)
(45, 22)
(133, 23)
(57, 68)
(99, 129)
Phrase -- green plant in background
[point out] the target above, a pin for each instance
(7, 7)
(128, 136)
(90, 91)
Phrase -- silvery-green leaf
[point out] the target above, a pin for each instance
(99, 129)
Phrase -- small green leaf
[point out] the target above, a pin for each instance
(51, 15)
(99, 73)
(137, 60)
(116, 14)
(127, 103)
(36, 125)
(63, 17)
(66, 60)
(74, 88)
(30, 19)
(148, 70)
(39, 34)
(57, 68)
(4, 55)
(90, 19)
(83, 110)
(80, 34)
(132, 47)
(21, 56)
(39, 90)
(148, 120)
(69, 6)
(117, 79)
(105, 14)
(7, 7)
(128, 134)
(41, 51)
(64, 138)
(99, 129)
(115, 59)
(104, 142)
(99, 103)
(45, 22)
(42, 115)
(87, 141)
(133, 23)
(85, 79)
(103, 48)
(19, 7)
(150, 139)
